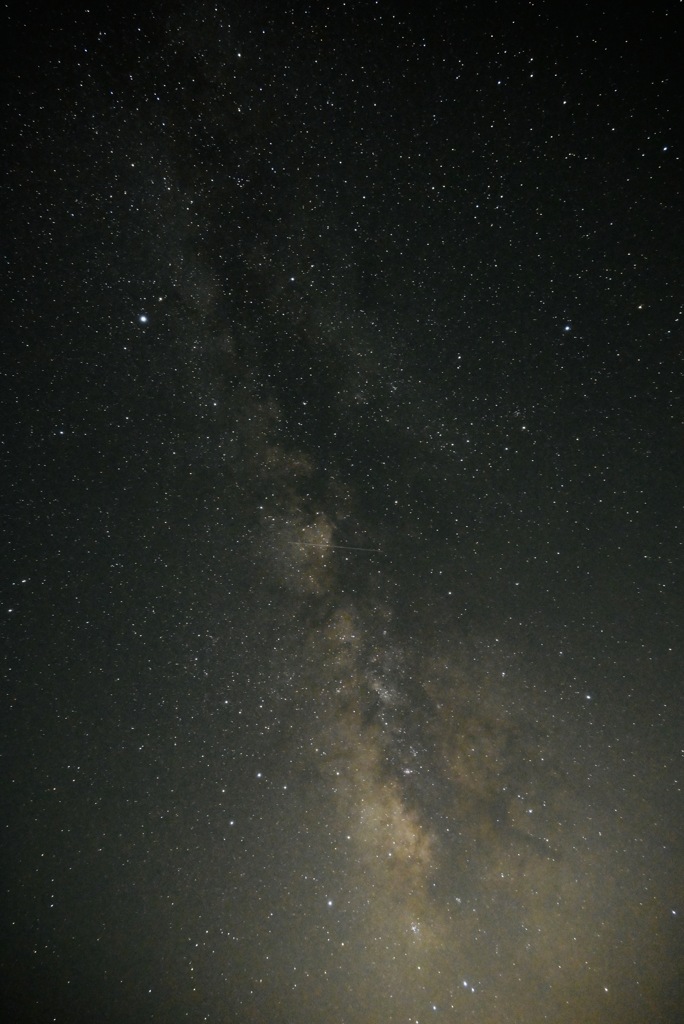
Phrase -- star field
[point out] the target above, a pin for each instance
(342, 433)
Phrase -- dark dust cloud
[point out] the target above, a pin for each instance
(342, 508)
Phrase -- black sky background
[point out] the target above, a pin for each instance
(285, 283)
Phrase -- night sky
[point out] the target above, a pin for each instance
(342, 443)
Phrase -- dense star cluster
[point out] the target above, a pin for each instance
(342, 509)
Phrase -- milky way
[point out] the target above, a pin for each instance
(343, 605)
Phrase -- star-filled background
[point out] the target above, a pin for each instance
(342, 514)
